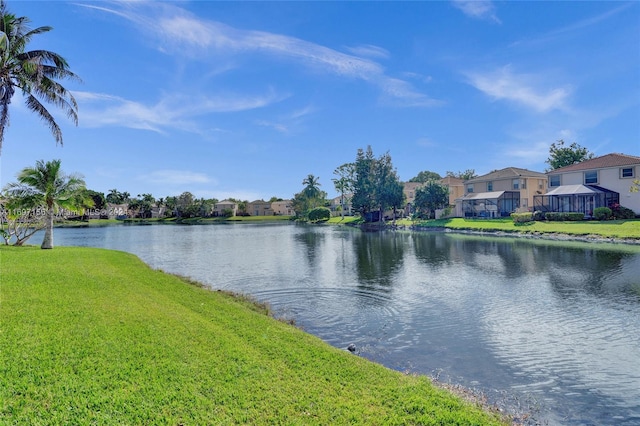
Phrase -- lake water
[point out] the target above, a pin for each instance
(535, 325)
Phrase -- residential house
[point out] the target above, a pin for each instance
(598, 182)
(259, 208)
(500, 193)
(409, 191)
(158, 212)
(225, 208)
(117, 211)
(283, 208)
(339, 203)
(455, 186)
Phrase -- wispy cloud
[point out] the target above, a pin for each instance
(177, 177)
(426, 142)
(182, 33)
(175, 111)
(576, 26)
(504, 84)
(477, 9)
(287, 122)
(280, 127)
(369, 51)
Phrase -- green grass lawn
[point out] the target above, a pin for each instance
(607, 229)
(92, 336)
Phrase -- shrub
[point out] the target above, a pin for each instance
(620, 212)
(564, 216)
(319, 213)
(602, 213)
(522, 217)
(538, 215)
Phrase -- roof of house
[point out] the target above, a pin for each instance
(602, 162)
(507, 173)
(493, 195)
(576, 190)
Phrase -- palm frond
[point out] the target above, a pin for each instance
(36, 106)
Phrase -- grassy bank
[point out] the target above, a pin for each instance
(92, 336)
(605, 229)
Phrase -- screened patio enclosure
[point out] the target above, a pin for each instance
(575, 198)
(490, 204)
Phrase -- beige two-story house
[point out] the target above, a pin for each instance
(259, 208)
(599, 182)
(501, 192)
(283, 208)
(225, 207)
(455, 186)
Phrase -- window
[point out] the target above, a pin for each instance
(540, 183)
(523, 183)
(627, 172)
(554, 180)
(590, 177)
(489, 186)
(470, 188)
(516, 184)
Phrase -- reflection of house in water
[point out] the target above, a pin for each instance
(599, 182)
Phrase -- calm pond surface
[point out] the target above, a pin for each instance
(548, 326)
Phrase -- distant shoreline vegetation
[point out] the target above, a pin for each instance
(614, 231)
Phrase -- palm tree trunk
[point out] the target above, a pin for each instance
(47, 242)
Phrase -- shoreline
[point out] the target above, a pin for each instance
(555, 236)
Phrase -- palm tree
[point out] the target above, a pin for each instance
(312, 186)
(46, 186)
(35, 73)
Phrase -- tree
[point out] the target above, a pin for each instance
(389, 189)
(47, 187)
(186, 205)
(466, 175)
(171, 204)
(116, 197)
(344, 182)
(309, 198)
(425, 176)
(430, 197)
(99, 201)
(18, 223)
(562, 156)
(312, 188)
(36, 73)
(319, 214)
(363, 200)
(376, 184)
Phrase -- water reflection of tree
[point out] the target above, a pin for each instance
(570, 267)
(596, 271)
(434, 249)
(310, 240)
(510, 258)
(379, 255)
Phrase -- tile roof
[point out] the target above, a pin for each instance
(507, 173)
(603, 162)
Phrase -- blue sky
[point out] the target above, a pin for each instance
(245, 99)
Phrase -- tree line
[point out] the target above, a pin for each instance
(370, 186)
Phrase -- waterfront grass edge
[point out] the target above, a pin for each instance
(95, 336)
